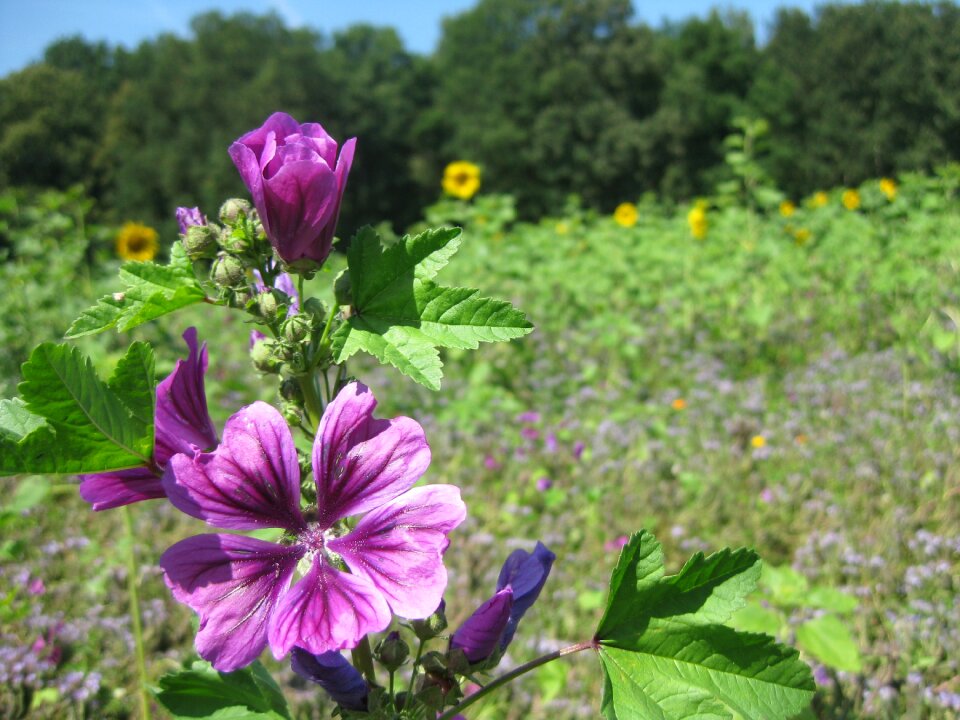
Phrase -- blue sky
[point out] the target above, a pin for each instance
(27, 26)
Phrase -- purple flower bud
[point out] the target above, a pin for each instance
(493, 624)
(480, 634)
(187, 217)
(332, 672)
(297, 183)
(544, 484)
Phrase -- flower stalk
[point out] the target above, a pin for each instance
(513, 675)
(134, 598)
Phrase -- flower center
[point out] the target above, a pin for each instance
(314, 540)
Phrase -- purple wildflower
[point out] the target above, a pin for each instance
(391, 561)
(181, 424)
(578, 448)
(491, 627)
(297, 183)
(332, 672)
(544, 484)
(187, 217)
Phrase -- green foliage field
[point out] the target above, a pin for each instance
(793, 392)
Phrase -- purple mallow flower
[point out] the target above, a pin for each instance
(390, 561)
(492, 626)
(181, 424)
(332, 672)
(186, 217)
(297, 183)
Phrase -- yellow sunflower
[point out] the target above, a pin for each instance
(461, 179)
(801, 236)
(850, 199)
(819, 199)
(137, 241)
(888, 187)
(626, 214)
(787, 208)
(697, 219)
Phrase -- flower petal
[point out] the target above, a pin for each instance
(327, 610)
(400, 546)
(181, 418)
(113, 489)
(252, 480)
(360, 462)
(480, 633)
(332, 672)
(280, 124)
(300, 200)
(525, 573)
(233, 582)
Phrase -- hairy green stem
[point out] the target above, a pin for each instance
(326, 328)
(363, 660)
(513, 675)
(310, 397)
(134, 597)
(413, 670)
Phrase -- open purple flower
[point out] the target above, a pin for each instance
(390, 561)
(491, 627)
(181, 425)
(331, 671)
(297, 183)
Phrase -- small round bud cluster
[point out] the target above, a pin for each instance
(200, 242)
(233, 210)
(392, 651)
(228, 271)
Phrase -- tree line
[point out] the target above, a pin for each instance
(549, 97)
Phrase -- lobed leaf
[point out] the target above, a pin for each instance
(665, 653)
(80, 423)
(152, 290)
(202, 692)
(401, 317)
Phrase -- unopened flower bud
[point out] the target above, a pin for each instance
(200, 242)
(227, 271)
(233, 209)
(235, 241)
(392, 651)
(296, 328)
(298, 363)
(292, 413)
(262, 356)
(432, 626)
(267, 305)
(291, 391)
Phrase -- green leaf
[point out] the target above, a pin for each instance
(89, 425)
(665, 654)
(151, 291)
(757, 619)
(134, 381)
(202, 692)
(827, 598)
(30, 492)
(16, 422)
(400, 316)
(830, 642)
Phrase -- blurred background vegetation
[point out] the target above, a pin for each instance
(550, 97)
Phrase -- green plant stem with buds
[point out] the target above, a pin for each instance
(513, 675)
(134, 596)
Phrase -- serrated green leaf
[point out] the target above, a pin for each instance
(88, 427)
(151, 291)
(134, 382)
(30, 492)
(16, 422)
(400, 316)
(830, 642)
(666, 655)
(202, 692)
